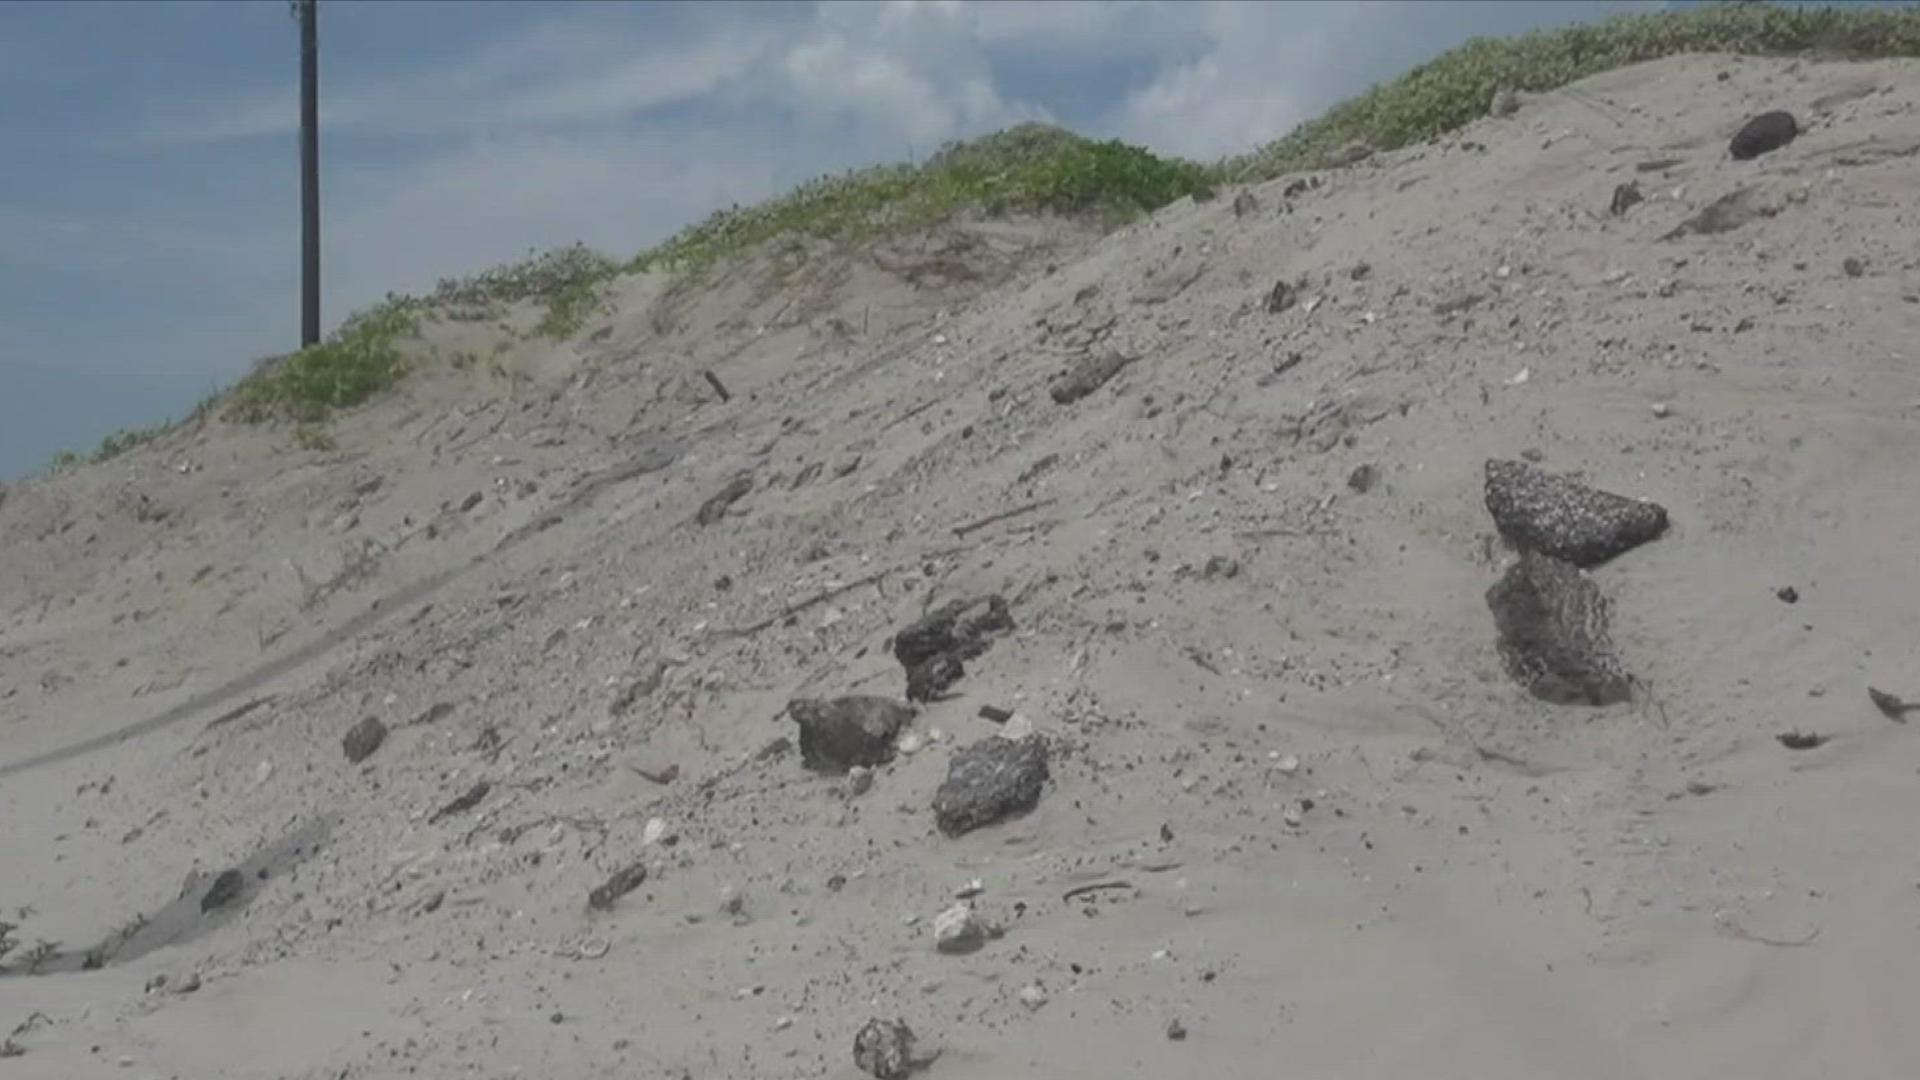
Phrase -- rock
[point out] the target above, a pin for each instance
(1505, 102)
(1853, 267)
(619, 884)
(1176, 1031)
(1763, 135)
(226, 888)
(188, 985)
(716, 507)
(1244, 204)
(934, 648)
(934, 677)
(1787, 594)
(1625, 197)
(1554, 641)
(989, 781)
(859, 781)
(1540, 511)
(1281, 297)
(1088, 375)
(363, 739)
(958, 930)
(839, 734)
(1362, 478)
(884, 1049)
(1033, 996)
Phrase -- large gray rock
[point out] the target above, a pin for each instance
(1539, 511)
(1552, 620)
(989, 781)
(884, 1049)
(935, 648)
(837, 734)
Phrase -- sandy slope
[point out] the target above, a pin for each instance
(1484, 885)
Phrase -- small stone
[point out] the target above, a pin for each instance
(1853, 267)
(911, 743)
(1505, 102)
(859, 781)
(839, 734)
(716, 508)
(989, 781)
(1033, 996)
(226, 888)
(1176, 1031)
(363, 739)
(1244, 204)
(884, 1049)
(933, 649)
(653, 832)
(1662, 410)
(958, 930)
(1017, 727)
(1291, 816)
(1788, 594)
(1087, 376)
(622, 882)
(1288, 764)
(1362, 478)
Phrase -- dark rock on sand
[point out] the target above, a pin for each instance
(837, 734)
(1540, 511)
(716, 507)
(1087, 376)
(363, 739)
(990, 781)
(934, 649)
(884, 1049)
(1762, 135)
(226, 888)
(1554, 641)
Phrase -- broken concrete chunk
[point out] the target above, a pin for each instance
(1539, 511)
(1087, 376)
(363, 739)
(838, 734)
(1554, 641)
(884, 1049)
(934, 649)
(991, 780)
(1762, 135)
(716, 507)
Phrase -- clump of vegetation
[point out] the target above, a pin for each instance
(1032, 167)
(1455, 88)
(361, 359)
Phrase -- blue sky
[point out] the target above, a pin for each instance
(149, 185)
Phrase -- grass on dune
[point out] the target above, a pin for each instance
(1038, 168)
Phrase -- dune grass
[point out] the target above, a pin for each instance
(1039, 168)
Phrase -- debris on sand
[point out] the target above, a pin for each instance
(958, 930)
(716, 507)
(622, 882)
(838, 734)
(465, 802)
(1625, 197)
(933, 650)
(1891, 706)
(1540, 511)
(226, 888)
(1763, 135)
(989, 781)
(884, 1049)
(1724, 214)
(1801, 740)
(363, 739)
(1552, 620)
(1087, 376)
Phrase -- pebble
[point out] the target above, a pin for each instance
(958, 930)
(654, 832)
(1176, 1031)
(1033, 996)
(859, 780)
(1291, 816)
(1288, 764)
(910, 744)
(1662, 410)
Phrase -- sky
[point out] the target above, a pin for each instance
(149, 184)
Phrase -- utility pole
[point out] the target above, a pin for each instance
(307, 12)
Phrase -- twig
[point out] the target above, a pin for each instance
(718, 387)
(1733, 929)
(1099, 886)
(796, 608)
(913, 412)
(995, 519)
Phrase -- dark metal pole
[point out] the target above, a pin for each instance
(309, 173)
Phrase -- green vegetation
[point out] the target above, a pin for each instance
(1039, 168)
(1032, 167)
(1455, 88)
